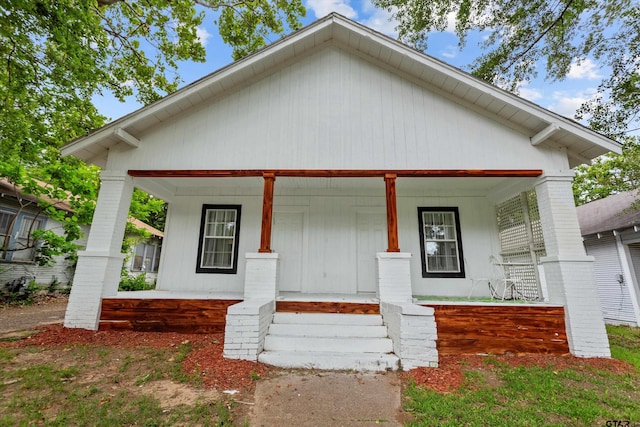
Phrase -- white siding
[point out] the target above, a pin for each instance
(180, 244)
(334, 110)
(614, 296)
(330, 257)
(61, 270)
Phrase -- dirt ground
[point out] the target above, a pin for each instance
(277, 398)
(14, 320)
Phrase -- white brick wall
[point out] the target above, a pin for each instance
(261, 276)
(110, 216)
(247, 325)
(98, 271)
(568, 271)
(394, 276)
(412, 328)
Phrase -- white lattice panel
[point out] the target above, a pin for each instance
(516, 243)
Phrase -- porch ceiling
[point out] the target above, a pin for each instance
(167, 188)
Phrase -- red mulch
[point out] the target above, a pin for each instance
(450, 372)
(205, 360)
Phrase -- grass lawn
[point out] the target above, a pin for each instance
(103, 386)
(92, 384)
(499, 391)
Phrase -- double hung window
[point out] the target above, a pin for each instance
(440, 242)
(219, 235)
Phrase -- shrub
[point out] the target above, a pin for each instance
(135, 283)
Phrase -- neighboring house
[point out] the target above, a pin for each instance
(19, 217)
(145, 252)
(611, 232)
(339, 166)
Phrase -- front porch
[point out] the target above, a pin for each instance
(329, 261)
(463, 327)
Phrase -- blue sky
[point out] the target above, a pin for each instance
(561, 97)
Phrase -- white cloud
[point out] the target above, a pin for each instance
(566, 104)
(379, 19)
(529, 93)
(586, 69)
(449, 52)
(203, 35)
(324, 7)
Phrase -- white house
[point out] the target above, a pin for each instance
(340, 166)
(20, 216)
(145, 252)
(611, 232)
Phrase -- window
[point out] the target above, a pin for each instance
(146, 257)
(440, 242)
(5, 223)
(16, 236)
(219, 234)
(28, 226)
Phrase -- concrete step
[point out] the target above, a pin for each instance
(317, 330)
(330, 360)
(325, 344)
(328, 319)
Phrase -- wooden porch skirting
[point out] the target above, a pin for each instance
(462, 328)
(500, 329)
(327, 307)
(196, 316)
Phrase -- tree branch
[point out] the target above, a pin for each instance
(544, 33)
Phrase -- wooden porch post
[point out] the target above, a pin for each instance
(392, 213)
(267, 212)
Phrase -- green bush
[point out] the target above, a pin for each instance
(135, 283)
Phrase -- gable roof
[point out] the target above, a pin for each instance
(611, 213)
(543, 126)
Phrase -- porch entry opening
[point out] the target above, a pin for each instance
(328, 246)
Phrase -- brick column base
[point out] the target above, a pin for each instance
(571, 283)
(261, 276)
(394, 277)
(97, 275)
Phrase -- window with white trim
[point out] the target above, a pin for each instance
(440, 242)
(219, 235)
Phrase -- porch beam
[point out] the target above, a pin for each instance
(392, 213)
(337, 173)
(267, 213)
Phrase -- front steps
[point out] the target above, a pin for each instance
(329, 341)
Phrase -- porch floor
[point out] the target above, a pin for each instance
(162, 294)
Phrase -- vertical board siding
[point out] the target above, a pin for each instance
(614, 296)
(329, 239)
(333, 110)
(498, 329)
